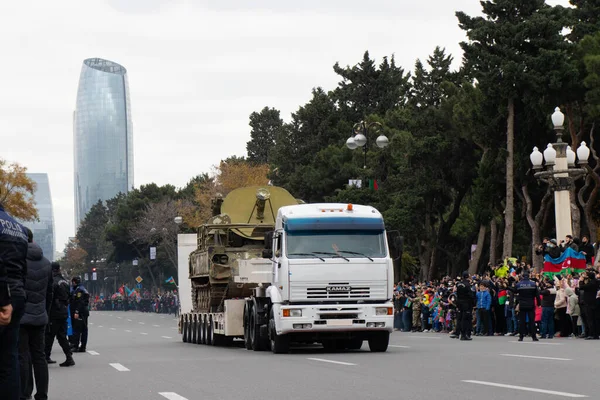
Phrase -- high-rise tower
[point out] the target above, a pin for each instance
(43, 230)
(103, 135)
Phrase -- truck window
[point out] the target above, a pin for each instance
(369, 243)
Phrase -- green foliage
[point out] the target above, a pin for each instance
(266, 127)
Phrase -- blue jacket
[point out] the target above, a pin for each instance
(484, 300)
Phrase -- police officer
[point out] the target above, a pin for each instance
(80, 301)
(527, 294)
(57, 326)
(465, 300)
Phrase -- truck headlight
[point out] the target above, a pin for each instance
(384, 311)
(292, 312)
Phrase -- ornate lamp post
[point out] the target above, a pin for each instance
(360, 137)
(560, 172)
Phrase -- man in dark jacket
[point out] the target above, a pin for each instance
(590, 285)
(33, 324)
(57, 326)
(528, 293)
(588, 249)
(465, 301)
(80, 301)
(13, 271)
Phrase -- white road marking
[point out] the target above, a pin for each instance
(141, 323)
(100, 326)
(110, 315)
(91, 323)
(93, 353)
(113, 329)
(400, 347)
(143, 333)
(172, 396)
(128, 320)
(537, 357)
(330, 361)
(167, 337)
(531, 342)
(425, 337)
(528, 389)
(127, 330)
(119, 367)
(156, 326)
(120, 317)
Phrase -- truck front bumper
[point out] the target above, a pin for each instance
(333, 318)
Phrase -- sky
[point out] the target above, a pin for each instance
(197, 70)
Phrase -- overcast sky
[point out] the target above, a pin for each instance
(197, 69)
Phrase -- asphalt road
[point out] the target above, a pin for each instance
(141, 356)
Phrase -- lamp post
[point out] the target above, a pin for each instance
(360, 137)
(560, 172)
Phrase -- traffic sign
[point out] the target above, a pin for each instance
(94, 276)
(139, 279)
(86, 277)
(153, 253)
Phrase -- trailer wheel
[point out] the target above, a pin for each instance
(247, 341)
(185, 330)
(209, 331)
(280, 344)
(378, 342)
(199, 330)
(203, 329)
(194, 329)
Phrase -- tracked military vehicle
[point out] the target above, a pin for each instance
(228, 262)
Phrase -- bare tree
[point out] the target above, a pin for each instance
(535, 222)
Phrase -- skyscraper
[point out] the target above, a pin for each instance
(103, 135)
(43, 230)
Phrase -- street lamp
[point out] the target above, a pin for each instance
(178, 220)
(560, 172)
(360, 137)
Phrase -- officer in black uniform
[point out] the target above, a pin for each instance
(57, 325)
(80, 301)
(527, 294)
(465, 300)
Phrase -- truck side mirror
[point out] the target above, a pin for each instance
(267, 253)
(269, 240)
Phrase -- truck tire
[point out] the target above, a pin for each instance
(209, 330)
(199, 330)
(194, 329)
(378, 342)
(247, 341)
(280, 344)
(185, 330)
(254, 329)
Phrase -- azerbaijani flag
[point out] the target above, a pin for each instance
(170, 280)
(502, 296)
(570, 261)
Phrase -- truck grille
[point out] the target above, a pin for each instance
(338, 291)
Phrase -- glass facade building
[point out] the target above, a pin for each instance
(103, 135)
(43, 230)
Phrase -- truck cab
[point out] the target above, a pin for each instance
(332, 279)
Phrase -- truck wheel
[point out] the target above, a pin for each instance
(378, 342)
(203, 328)
(254, 329)
(247, 341)
(209, 331)
(199, 330)
(332, 345)
(185, 331)
(280, 344)
(194, 330)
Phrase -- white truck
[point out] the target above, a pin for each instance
(325, 276)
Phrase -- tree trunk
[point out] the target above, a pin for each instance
(535, 224)
(432, 264)
(509, 211)
(474, 263)
(575, 213)
(493, 240)
(424, 259)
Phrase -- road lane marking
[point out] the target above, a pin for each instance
(544, 343)
(528, 389)
(120, 317)
(93, 353)
(119, 367)
(537, 357)
(330, 361)
(127, 330)
(167, 337)
(400, 347)
(113, 329)
(143, 333)
(100, 326)
(91, 323)
(128, 320)
(141, 323)
(172, 396)
(424, 337)
(156, 326)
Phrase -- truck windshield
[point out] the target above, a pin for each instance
(336, 244)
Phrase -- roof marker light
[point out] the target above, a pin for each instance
(349, 207)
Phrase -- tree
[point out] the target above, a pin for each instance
(17, 191)
(266, 127)
(91, 235)
(517, 54)
(74, 259)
